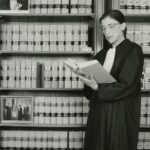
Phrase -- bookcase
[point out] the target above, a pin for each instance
(42, 105)
(137, 13)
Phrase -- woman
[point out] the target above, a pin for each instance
(114, 114)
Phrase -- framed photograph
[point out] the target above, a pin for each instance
(14, 6)
(16, 109)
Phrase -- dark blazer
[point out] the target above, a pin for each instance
(114, 114)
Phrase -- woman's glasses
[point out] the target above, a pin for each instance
(111, 27)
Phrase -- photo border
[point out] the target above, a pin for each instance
(16, 121)
(16, 11)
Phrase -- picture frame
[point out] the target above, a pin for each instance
(14, 6)
(16, 109)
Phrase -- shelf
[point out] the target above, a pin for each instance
(47, 15)
(146, 52)
(40, 89)
(42, 126)
(52, 126)
(24, 17)
(137, 15)
(145, 90)
(145, 126)
(10, 53)
(137, 18)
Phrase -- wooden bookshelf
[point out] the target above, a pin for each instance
(42, 89)
(22, 53)
(71, 127)
(47, 15)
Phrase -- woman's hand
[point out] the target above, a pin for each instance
(89, 81)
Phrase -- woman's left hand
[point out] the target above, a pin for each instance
(89, 81)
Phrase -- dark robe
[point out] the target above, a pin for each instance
(114, 116)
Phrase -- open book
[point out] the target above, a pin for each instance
(90, 67)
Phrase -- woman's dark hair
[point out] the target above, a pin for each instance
(116, 15)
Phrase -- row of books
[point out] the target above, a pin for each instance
(55, 139)
(47, 73)
(57, 75)
(44, 37)
(134, 6)
(20, 74)
(145, 110)
(146, 74)
(144, 141)
(47, 110)
(140, 34)
(42, 139)
(61, 110)
(61, 6)
(27, 73)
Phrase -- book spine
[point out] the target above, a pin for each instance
(31, 142)
(137, 6)
(67, 77)
(143, 116)
(50, 6)
(53, 37)
(82, 6)
(57, 6)
(85, 110)
(50, 139)
(30, 37)
(47, 110)
(79, 110)
(41, 110)
(148, 111)
(44, 144)
(65, 6)
(44, 6)
(3, 39)
(60, 74)
(53, 110)
(37, 6)
(54, 68)
(38, 38)
(88, 6)
(38, 139)
(25, 139)
(74, 6)
(15, 37)
(9, 36)
(59, 111)
(123, 6)
(63, 140)
(56, 140)
(36, 111)
(72, 111)
(45, 38)
(4, 73)
(66, 110)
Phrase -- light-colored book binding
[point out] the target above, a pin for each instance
(91, 67)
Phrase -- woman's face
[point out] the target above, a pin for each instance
(113, 30)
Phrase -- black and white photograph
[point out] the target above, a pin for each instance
(16, 109)
(14, 6)
(85, 64)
